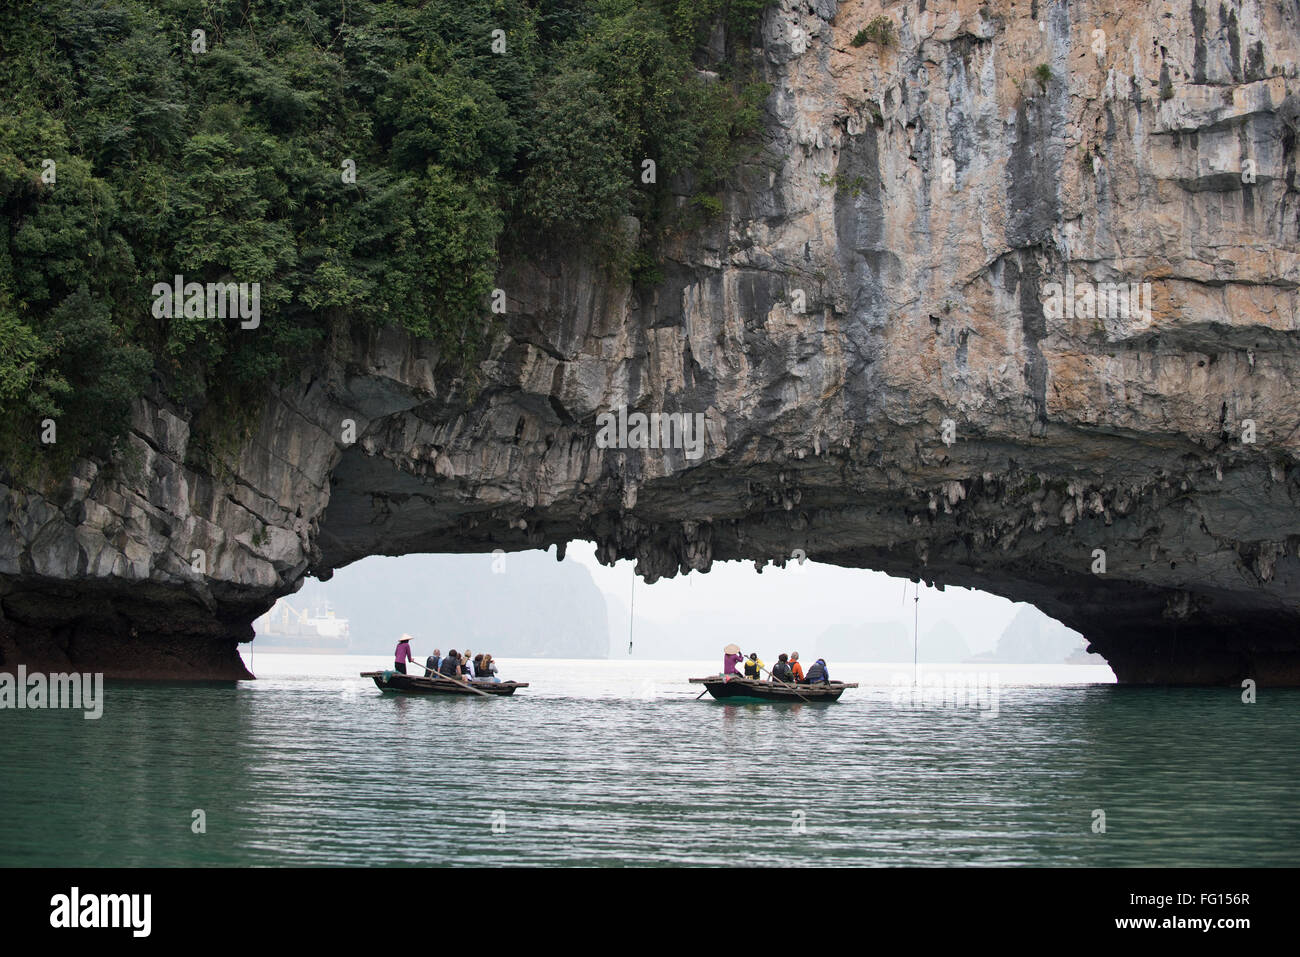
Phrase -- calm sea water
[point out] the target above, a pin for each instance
(615, 762)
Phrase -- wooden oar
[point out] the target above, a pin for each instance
(463, 684)
(779, 681)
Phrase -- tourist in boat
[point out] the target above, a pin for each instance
(403, 654)
(730, 659)
(796, 669)
(781, 671)
(450, 666)
(818, 674)
(487, 670)
(467, 664)
(754, 667)
(432, 662)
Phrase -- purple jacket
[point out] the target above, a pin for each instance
(729, 663)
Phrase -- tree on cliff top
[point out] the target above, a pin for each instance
(133, 149)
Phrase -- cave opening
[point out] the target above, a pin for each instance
(526, 604)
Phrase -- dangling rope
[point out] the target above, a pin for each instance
(916, 629)
(631, 612)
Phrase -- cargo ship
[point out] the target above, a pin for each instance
(288, 630)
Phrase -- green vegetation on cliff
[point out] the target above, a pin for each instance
(134, 148)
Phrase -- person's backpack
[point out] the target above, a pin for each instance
(782, 671)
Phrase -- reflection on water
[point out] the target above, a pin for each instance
(616, 762)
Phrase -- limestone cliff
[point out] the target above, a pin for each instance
(870, 331)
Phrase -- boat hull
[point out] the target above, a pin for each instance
(747, 689)
(394, 682)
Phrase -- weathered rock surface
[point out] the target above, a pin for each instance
(879, 268)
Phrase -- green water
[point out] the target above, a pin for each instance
(616, 763)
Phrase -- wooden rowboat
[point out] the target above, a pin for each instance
(394, 682)
(750, 689)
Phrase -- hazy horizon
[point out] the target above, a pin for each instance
(811, 608)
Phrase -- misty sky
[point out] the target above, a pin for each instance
(796, 601)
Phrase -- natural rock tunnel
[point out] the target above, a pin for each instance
(871, 336)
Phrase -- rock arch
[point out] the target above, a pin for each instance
(868, 343)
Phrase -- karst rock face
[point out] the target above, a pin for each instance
(870, 333)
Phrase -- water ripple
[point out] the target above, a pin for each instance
(608, 763)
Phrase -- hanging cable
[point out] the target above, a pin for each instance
(916, 628)
(631, 611)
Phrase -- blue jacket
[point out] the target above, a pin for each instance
(818, 673)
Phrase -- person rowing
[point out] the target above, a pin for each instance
(402, 654)
(731, 658)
